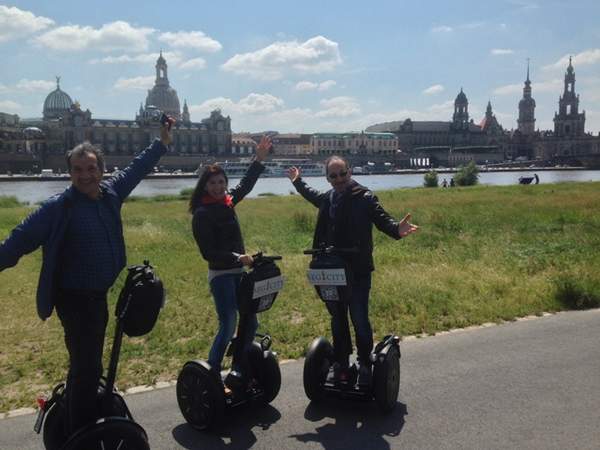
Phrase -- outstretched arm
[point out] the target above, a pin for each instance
(386, 223)
(26, 237)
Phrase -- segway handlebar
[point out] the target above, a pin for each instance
(260, 258)
(331, 250)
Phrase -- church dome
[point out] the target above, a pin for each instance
(56, 103)
(164, 98)
(461, 97)
(162, 95)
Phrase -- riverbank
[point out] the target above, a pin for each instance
(483, 254)
(184, 175)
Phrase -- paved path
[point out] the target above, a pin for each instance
(532, 384)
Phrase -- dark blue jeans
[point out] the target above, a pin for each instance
(84, 316)
(358, 306)
(224, 290)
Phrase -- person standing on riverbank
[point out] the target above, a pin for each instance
(81, 235)
(219, 237)
(346, 216)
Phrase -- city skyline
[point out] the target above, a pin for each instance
(319, 68)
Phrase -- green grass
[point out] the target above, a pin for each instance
(483, 254)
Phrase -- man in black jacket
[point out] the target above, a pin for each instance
(345, 220)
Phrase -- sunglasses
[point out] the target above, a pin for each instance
(333, 176)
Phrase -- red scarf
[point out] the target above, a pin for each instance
(208, 199)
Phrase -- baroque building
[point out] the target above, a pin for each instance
(65, 124)
(461, 140)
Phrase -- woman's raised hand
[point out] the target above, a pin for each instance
(293, 173)
(264, 147)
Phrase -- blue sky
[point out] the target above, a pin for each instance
(303, 66)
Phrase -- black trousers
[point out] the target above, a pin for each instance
(84, 315)
(358, 306)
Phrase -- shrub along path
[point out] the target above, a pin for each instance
(483, 254)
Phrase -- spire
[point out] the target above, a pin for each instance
(488, 111)
(527, 81)
(57, 82)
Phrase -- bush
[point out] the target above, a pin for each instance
(430, 179)
(9, 202)
(467, 175)
(576, 293)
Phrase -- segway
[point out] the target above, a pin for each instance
(139, 304)
(329, 273)
(201, 390)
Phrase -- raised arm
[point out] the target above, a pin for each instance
(312, 195)
(256, 168)
(126, 180)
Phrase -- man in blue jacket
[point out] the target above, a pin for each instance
(83, 251)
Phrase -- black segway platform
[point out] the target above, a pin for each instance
(140, 301)
(329, 273)
(201, 394)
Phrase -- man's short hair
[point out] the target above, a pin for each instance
(335, 158)
(82, 149)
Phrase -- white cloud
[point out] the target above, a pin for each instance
(338, 107)
(501, 51)
(9, 106)
(584, 58)
(136, 83)
(442, 29)
(35, 85)
(251, 104)
(117, 35)
(508, 89)
(435, 89)
(191, 39)
(541, 86)
(310, 86)
(440, 110)
(16, 23)
(193, 64)
(172, 58)
(316, 55)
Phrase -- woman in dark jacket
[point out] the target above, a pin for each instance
(218, 235)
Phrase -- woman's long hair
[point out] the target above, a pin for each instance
(209, 171)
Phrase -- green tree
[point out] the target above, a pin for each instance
(467, 175)
(430, 179)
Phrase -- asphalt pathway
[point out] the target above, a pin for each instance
(530, 384)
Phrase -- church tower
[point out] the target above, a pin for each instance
(185, 116)
(460, 118)
(526, 120)
(568, 121)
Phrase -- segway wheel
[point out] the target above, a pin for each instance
(200, 395)
(266, 370)
(110, 433)
(54, 432)
(386, 380)
(316, 366)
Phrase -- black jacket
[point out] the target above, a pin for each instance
(216, 227)
(359, 209)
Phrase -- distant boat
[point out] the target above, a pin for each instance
(274, 168)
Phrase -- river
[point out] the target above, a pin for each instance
(36, 191)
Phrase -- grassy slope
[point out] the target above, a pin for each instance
(482, 254)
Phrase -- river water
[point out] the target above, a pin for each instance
(36, 191)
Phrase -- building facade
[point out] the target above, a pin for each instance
(460, 140)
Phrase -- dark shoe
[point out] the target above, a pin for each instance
(365, 375)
